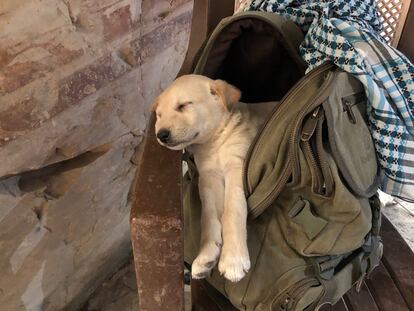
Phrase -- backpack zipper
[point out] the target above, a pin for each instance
(326, 85)
(349, 102)
(324, 91)
(316, 172)
(322, 180)
(308, 130)
(328, 185)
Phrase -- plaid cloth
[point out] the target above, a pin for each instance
(346, 32)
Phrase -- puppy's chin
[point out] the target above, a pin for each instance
(176, 147)
(179, 146)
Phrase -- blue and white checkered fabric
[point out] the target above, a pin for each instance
(346, 32)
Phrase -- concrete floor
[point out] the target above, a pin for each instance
(401, 215)
(119, 293)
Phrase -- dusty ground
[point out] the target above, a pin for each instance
(119, 292)
(116, 294)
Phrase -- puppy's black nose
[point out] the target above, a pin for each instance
(164, 135)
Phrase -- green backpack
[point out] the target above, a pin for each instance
(310, 175)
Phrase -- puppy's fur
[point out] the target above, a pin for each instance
(205, 117)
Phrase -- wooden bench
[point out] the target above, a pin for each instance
(157, 224)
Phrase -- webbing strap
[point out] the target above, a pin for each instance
(376, 214)
(342, 281)
(324, 266)
(373, 247)
(354, 272)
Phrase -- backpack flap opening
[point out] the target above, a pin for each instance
(257, 53)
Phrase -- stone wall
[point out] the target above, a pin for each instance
(76, 78)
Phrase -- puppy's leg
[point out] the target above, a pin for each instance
(211, 188)
(234, 260)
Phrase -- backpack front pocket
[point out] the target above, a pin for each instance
(319, 215)
(349, 138)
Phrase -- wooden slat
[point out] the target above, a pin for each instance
(399, 261)
(401, 21)
(384, 291)
(392, 15)
(156, 228)
(206, 15)
(362, 301)
(200, 300)
(406, 43)
(339, 306)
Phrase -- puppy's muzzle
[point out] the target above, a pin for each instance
(164, 135)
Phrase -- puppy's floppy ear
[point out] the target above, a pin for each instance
(229, 94)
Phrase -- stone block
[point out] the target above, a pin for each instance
(76, 80)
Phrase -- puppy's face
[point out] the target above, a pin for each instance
(191, 109)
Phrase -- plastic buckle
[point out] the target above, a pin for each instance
(325, 266)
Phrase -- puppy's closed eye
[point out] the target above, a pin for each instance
(181, 107)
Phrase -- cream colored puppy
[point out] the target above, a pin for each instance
(205, 117)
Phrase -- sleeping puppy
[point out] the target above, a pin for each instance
(205, 117)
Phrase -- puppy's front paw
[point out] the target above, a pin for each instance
(205, 261)
(234, 265)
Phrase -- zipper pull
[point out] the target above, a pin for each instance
(348, 109)
(310, 125)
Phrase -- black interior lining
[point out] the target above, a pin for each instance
(253, 56)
